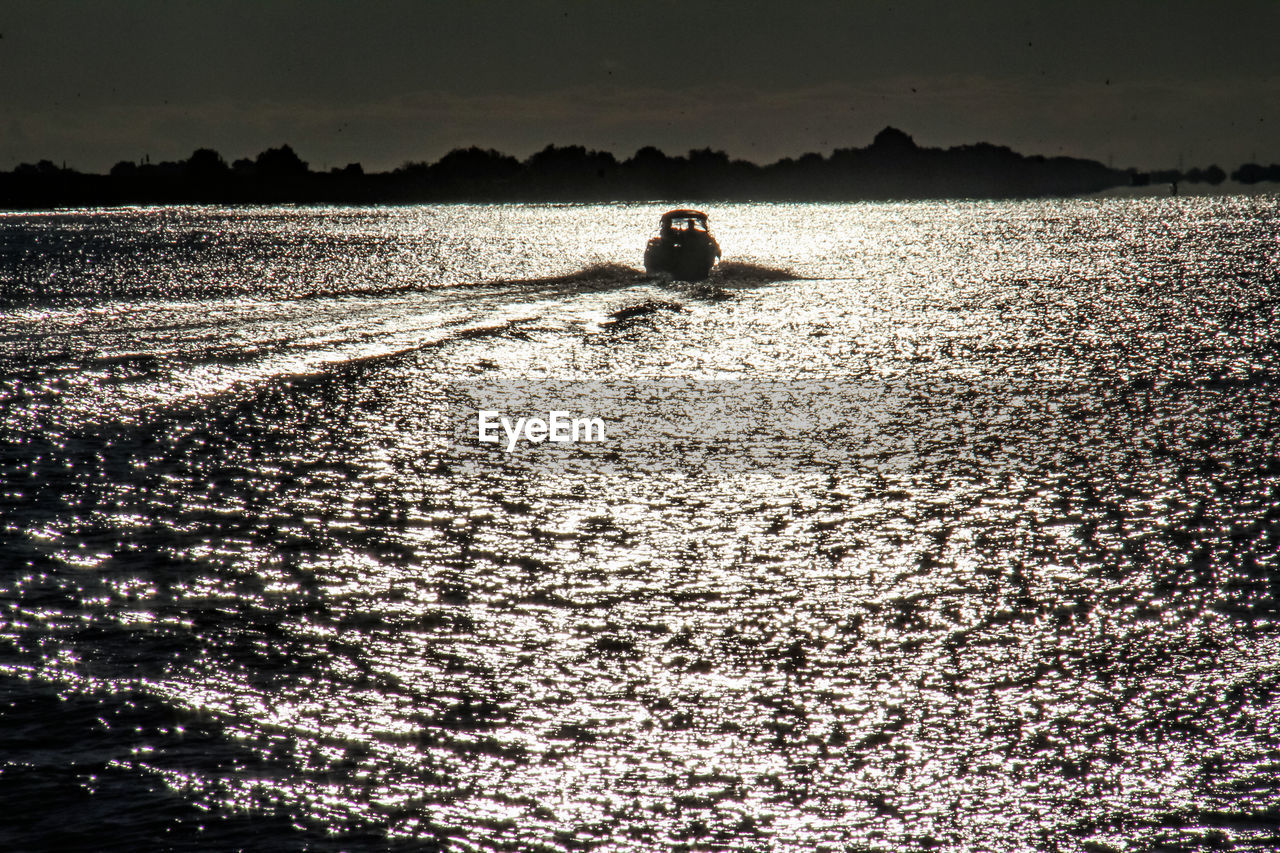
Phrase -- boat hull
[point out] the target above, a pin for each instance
(685, 260)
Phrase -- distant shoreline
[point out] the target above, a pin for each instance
(892, 168)
(1162, 190)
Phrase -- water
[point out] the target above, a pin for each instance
(923, 526)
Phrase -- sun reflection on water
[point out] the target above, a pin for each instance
(963, 541)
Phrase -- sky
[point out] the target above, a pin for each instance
(1144, 84)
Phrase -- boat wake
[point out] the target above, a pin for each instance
(117, 359)
(607, 276)
(740, 272)
(591, 278)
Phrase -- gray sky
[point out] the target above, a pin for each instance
(1143, 84)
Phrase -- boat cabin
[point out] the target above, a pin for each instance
(684, 247)
(675, 221)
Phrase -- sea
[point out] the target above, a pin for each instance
(919, 526)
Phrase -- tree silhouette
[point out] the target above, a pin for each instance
(893, 166)
(206, 164)
(277, 163)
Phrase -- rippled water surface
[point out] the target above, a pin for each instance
(921, 526)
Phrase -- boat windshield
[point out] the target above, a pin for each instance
(684, 223)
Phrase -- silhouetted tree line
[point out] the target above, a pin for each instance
(1249, 173)
(1252, 173)
(891, 167)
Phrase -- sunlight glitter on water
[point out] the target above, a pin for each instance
(964, 539)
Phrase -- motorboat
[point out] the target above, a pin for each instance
(684, 247)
